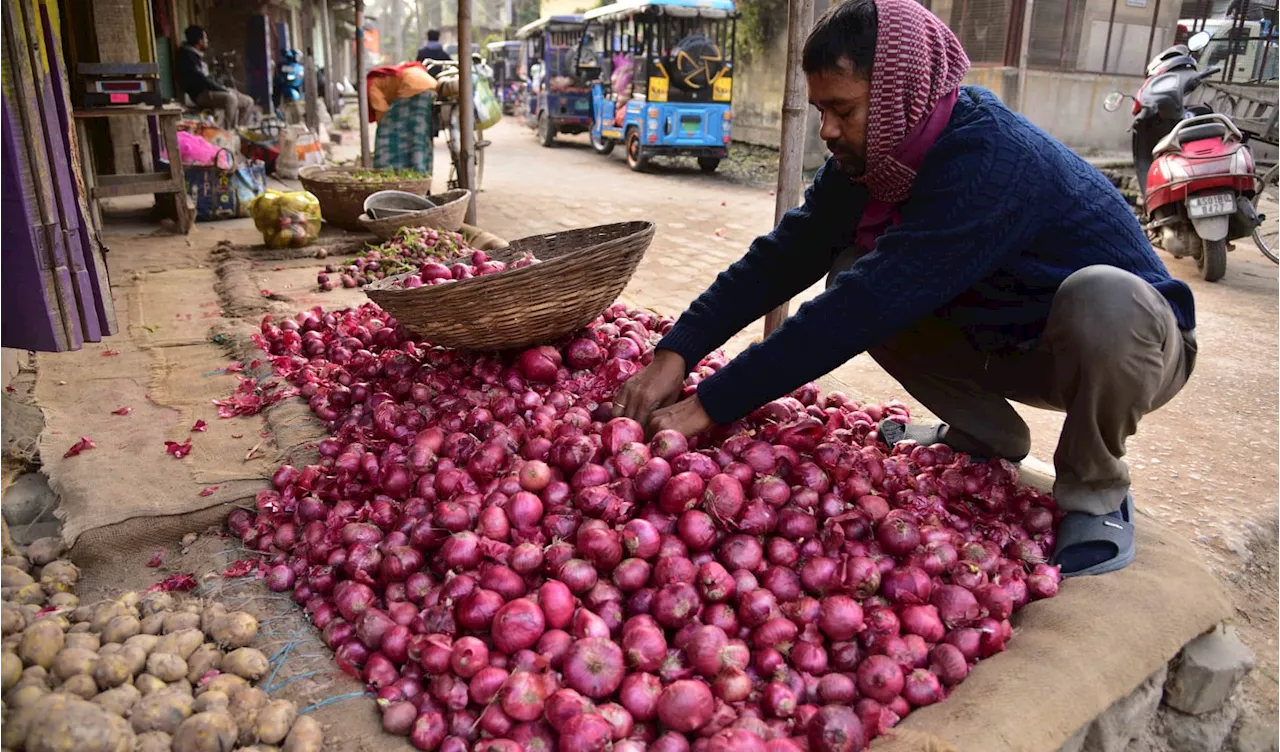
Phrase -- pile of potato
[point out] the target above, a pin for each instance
(143, 673)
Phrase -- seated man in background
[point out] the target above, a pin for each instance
(193, 74)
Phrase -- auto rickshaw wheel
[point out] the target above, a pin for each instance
(602, 145)
(637, 160)
(708, 164)
(546, 131)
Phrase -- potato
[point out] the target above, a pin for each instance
(80, 627)
(82, 640)
(31, 594)
(13, 732)
(234, 630)
(80, 727)
(45, 550)
(40, 643)
(36, 674)
(11, 619)
(83, 613)
(166, 666)
(66, 601)
(161, 711)
(181, 644)
(10, 644)
(206, 658)
(183, 686)
(25, 694)
(247, 662)
(82, 686)
(10, 669)
(30, 612)
(210, 612)
(156, 603)
(212, 702)
(153, 741)
(176, 621)
(135, 658)
(261, 748)
(131, 601)
(153, 624)
(146, 684)
(121, 628)
(12, 577)
(72, 661)
(244, 708)
(274, 721)
(205, 732)
(103, 613)
(144, 641)
(113, 648)
(305, 736)
(111, 671)
(228, 684)
(17, 562)
(119, 700)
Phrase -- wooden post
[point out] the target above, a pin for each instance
(307, 31)
(466, 109)
(331, 68)
(791, 153)
(362, 87)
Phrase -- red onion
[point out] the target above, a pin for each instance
(645, 648)
(639, 695)
(517, 626)
(840, 617)
(835, 728)
(956, 606)
(880, 678)
(588, 732)
(682, 491)
(778, 700)
(523, 696)
(428, 731)
(594, 666)
(921, 688)
(685, 705)
(557, 604)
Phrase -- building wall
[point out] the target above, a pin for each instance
(1066, 105)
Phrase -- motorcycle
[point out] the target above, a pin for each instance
(289, 84)
(1195, 173)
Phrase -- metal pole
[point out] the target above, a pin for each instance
(308, 34)
(1111, 25)
(791, 153)
(1151, 35)
(366, 159)
(466, 109)
(1024, 54)
(331, 67)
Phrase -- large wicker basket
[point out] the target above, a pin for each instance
(342, 197)
(581, 273)
(450, 209)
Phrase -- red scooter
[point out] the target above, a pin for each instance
(1194, 170)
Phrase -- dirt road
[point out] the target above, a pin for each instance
(1205, 464)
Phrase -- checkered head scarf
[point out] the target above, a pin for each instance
(918, 62)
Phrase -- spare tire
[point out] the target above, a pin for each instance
(696, 59)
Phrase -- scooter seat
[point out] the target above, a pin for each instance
(1198, 132)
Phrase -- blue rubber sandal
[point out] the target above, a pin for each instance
(1113, 531)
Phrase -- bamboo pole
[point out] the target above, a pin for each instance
(791, 153)
(1024, 52)
(331, 68)
(362, 87)
(310, 90)
(466, 109)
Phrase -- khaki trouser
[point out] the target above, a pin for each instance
(231, 102)
(1111, 353)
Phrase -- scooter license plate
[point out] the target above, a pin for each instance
(1213, 205)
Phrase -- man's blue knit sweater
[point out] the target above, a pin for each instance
(999, 215)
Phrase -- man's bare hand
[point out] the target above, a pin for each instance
(658, 385)
(686, 416)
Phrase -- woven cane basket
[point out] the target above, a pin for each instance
(582, 272)
(342, 197)
(448, 214)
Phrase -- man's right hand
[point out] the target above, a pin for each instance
(658, 385)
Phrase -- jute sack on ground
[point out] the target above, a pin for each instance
(1073, 655)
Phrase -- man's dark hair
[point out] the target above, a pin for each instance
(433, 35)
(194, 34)
(845, 32)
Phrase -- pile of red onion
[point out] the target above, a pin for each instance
(438, 273)
(510, 568)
